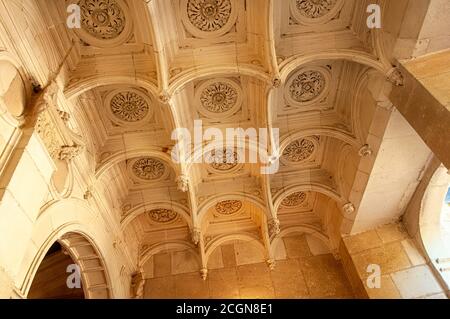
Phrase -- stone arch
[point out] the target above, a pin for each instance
(312, 187)
(167, 246)
(304, 229)
(290, 65)
(220, 70)
(86, 256)
(118, 157)
(246, 237)
(196, 155)
(70, 228)
(204, 207)
(80, 86)
(322, 131)
(17, 82)
(434, 241)
(36, 22)
(182, 210)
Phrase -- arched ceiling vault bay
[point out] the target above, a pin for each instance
(145, 68)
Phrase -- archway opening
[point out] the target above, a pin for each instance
(435, 223)
(54, 280)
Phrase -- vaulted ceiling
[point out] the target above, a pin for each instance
(141, 69)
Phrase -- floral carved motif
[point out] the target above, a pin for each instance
(102, 19)
(162, 215)
(299, 150)
(129, 106)
(314, 9)
(209, 15)
(307, 86)
(47, 131)
(148, 169)
(229, 207)
(294, 200)
(219, 97)
(223, 160)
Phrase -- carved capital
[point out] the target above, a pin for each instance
(183, 183)
(274, 227)
(395, 76)
(348, 208)
(68, 153)
(365, 151)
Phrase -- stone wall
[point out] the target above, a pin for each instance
(304, 270)
(404, 270)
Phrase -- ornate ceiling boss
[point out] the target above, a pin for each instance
(294, 200)
(208, 18)
(128, 107)
(229, 207)
(162, 216)
(310, 12)
(223, 161)
(219, 99)
(147, 169)
(104, 23)
(300, 150)
(307, 86)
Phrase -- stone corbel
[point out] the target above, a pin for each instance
(68, 153)
(137, 285)
(348, 209)
(395, 76)
(276, 82)
(204, 273)
(164, 97)
(87, 195)
(365, 151)
(40, 102)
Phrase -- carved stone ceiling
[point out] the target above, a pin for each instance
(148, 67)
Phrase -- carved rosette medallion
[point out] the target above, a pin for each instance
(208, 18)
(104, 22)
(300, 150)
(219, 98)
(294, 200)
(147, 169)
(228, 207)
(162, 215)
(307, 86)
(128, 107)
(223, 161)
(315, 11)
